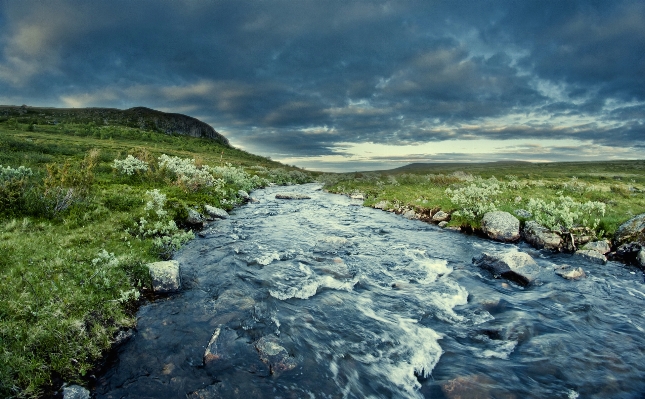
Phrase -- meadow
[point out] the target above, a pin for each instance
(83, 208)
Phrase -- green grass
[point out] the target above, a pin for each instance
(620, 185)
(62, 304)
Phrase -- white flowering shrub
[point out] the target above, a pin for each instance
(238, 177)
(287, 177)
(187, 174)
(102, 264)
(475, 199)
(130, 166)
(156, 203)
(566, 213)
(8, 173)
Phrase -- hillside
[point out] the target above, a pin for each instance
(138, 117)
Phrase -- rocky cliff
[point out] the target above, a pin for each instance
(138, 117)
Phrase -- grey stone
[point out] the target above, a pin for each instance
(409, 214)
(592, 256)
(123, 337)
(599, 246)
(632, 230)
(194, 217)
(274, 355)
(443, 224)
(523, 213)
(380, 205)
(571, 274)
(215, 212)
(440, 216)
(292, 196)
(165, 276)
(357, 197)
(244, 195)
(514, 266)
(541, 237)
(501, 226)
(75, 392)
(640, 258)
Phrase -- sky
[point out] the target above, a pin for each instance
(349, 85)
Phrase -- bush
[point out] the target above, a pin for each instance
(475, 199)
(186, 174)
(130, 166)
(567, 213)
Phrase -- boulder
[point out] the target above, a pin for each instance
(523, 213)
(632, 230)
(75, 392)
(518, 267)
(214, 212)
(409, 214)
(443, 224)
(292, 196)
(599, 246)
(592, 256)
(194, 217)
(380, 205)
(274, 355)
(122, 337)
(244, 195)
(357, 197)
(441, 216)
(571, 274)
(501, 226)
(165, 276)
(541, 237)
(640, 258)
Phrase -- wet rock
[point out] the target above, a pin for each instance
(441, 216)
(453, 228)
(523, 213)
(541, 237)
(518, 267)
(292, 196)
(627, 253)
(640, 258)
(443, 224)
(75, 392)
(468, 387)
(165, 276)
(599, 246)
(214, 212)
(380, 205)
(592, 256)
(571, 274)
(409, 214)
(357, 197)
(220, 348)
(274, 355)
(632, 230)
(194, 217)
(123, 336)
(501, 226)
(244, 195)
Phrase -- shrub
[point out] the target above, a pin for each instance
(567, 213)
(130, 166)
(187, 174)
(238, 177)
(475, 199)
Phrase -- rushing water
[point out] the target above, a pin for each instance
(322, 298)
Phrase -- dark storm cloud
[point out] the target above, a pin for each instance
(284, 77)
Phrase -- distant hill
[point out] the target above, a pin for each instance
(427, 167)
(138, 117)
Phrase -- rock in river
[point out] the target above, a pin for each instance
(274, 354)
(75, 392)
(632, 230)
(601, 246)
(214, 212)
(292, 196)
(440, 216)
(518, 267)
(592, 256)
(165, 276)
(571, 274)
(501, 226)
(541, 237)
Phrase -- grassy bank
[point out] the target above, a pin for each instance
(588, 197)
(77, 229)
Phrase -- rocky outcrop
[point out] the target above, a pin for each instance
(138, 117)
(440, 216)
(501, 226)
(601, 246)
(518, 267)
(540, 237)
(292, 196)
(274, 355)
(75, 392)
(194, 218)
(592, 256)
(215, 213)
(632, 230)
(165, 276)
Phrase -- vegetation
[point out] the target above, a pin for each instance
(83, 208)
(590, 198)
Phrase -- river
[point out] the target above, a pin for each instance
(324, 298)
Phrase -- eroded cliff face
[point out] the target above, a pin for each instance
(138, 117)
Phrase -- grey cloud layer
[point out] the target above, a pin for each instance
(284, 77)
